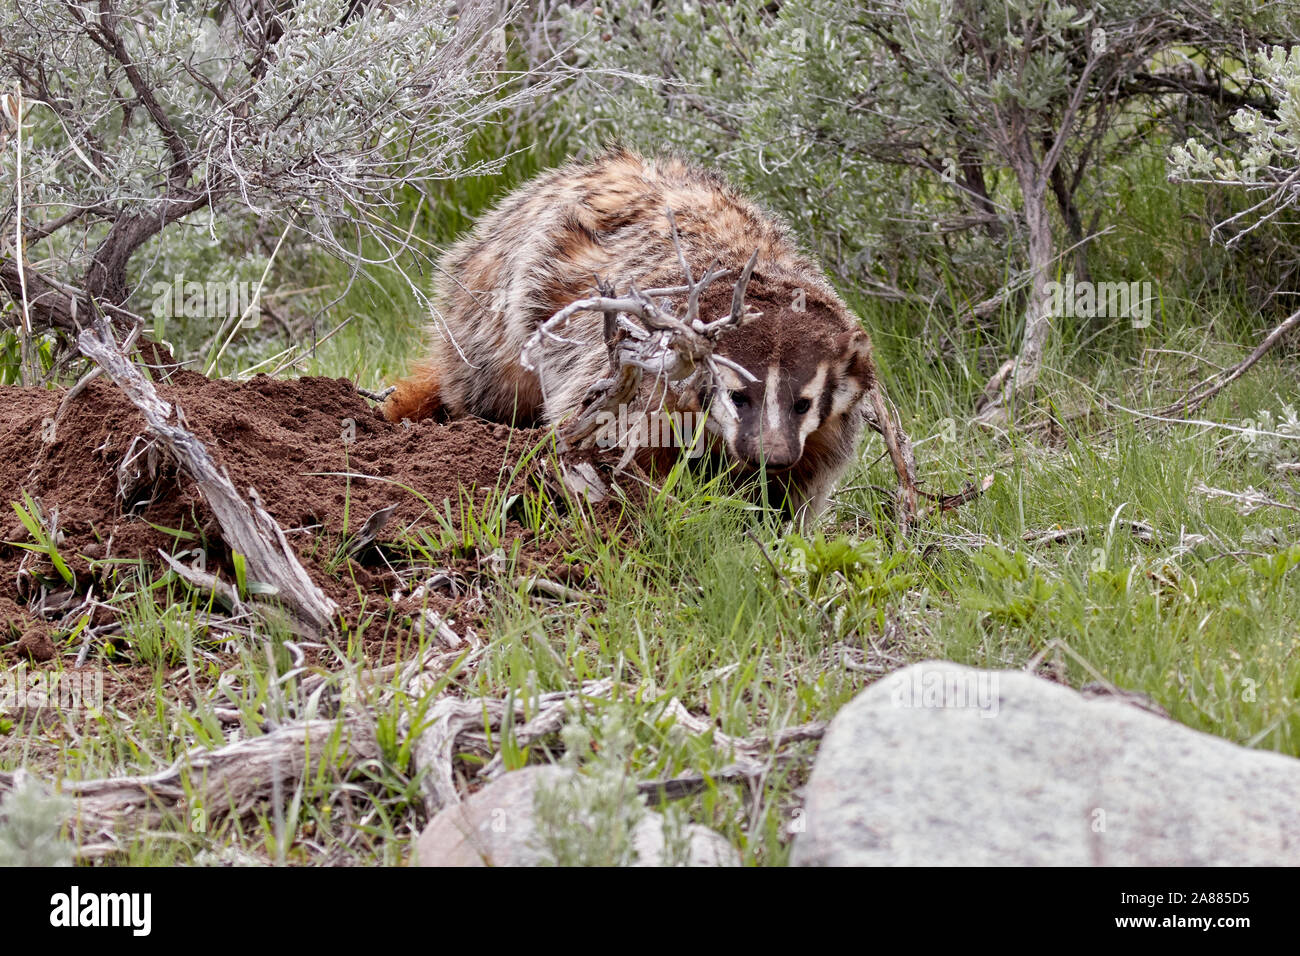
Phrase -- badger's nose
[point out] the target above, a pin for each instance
(776, 456)
(774, 466)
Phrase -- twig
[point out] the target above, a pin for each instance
(954, 501)
(231, 779)
(900, 451)
(206, 582)
(452, 719)
(379, 397)
(1248, 501)
(1143, 532)
(1216, 383)
(552, 589)
(679, 351)
(252, 303)
(241, 775)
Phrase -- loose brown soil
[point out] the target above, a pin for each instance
(294, 441)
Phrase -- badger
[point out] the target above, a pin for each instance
(625, 219)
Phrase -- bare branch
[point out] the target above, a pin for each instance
(738, 296)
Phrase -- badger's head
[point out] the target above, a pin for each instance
(809, 367)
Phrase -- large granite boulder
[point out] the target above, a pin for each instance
(941, 764)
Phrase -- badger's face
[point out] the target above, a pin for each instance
(807, 373)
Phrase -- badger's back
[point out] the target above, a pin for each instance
(545, 245)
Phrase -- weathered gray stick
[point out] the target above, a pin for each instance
(231, 779)
(245, 526)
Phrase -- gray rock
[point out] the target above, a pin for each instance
(496, 827)
(940, 764)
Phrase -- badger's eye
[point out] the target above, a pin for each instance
(801, 407)
(740, 399)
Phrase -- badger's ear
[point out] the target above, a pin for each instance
(855, 372)
(854, 351)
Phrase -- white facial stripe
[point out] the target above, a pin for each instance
(773, 398)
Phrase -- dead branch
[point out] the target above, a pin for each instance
(545, 587)
(1248, 501)
(752, 747)
(231, 779)
(203, 581)
(238, 777)
(376, 523)
(954, 501)
(48, 302)
(1205, 390)
(1141, 531)
(678, 351)
(245, 525)
(658, 792)
(900, 452)
(454, 724)
(377, 397)
(749, 753)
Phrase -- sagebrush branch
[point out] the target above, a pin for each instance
(644, 335)
(678, 350)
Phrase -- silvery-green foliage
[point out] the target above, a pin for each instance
(1264, 157)
(1271, 438)
(144, 112)
(31, 825)
(588, 819)
(887, 131)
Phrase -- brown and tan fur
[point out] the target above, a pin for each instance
(545, 245)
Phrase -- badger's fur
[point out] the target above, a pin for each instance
(546, 245)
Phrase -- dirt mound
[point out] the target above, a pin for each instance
(320, 458)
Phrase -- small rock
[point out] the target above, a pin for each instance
(943, 765)
(496, 827)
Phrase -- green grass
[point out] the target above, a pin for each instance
(757, 640)
(716, 604)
